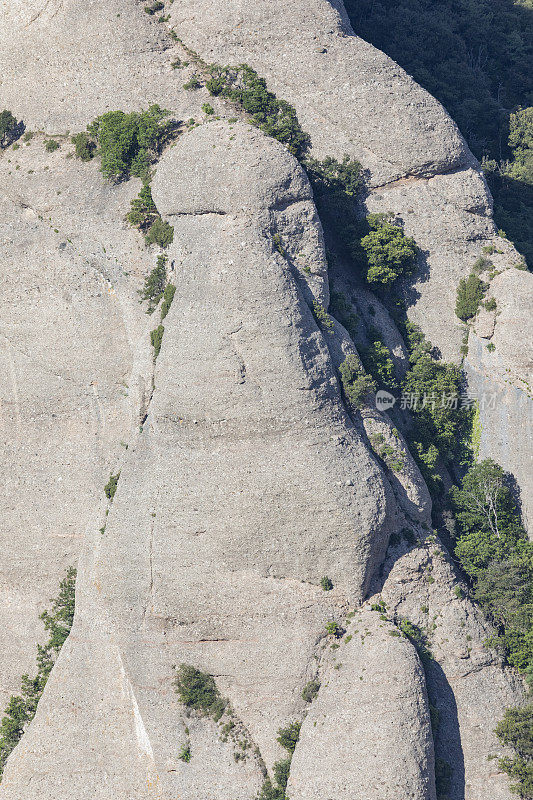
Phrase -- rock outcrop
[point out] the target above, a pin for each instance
(467, 685)
(499, 368)
(372, 703)
(418, 166)
(248, 483)
(244, 477)
(74, 379)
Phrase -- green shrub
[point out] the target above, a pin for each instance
(326, 583)
(111, 486)
(143, 209)
(168, 297)
(355, 382)
(128, 142)
(185, 753)
(274, 117)
(516, 731)
(331, 175)
(386, 452)
(310, 691)
(490, 304)
(160, 233)
(50, 145)
(435, 387)
(491, 347)
(192, 83)
(21, 708)
(156, 338)
(270, 792)
(494, 551)
(8, 128)
(154, 8)
(334, 629)
(154, 284)
(208, 109)
(417, 638)
(84, 146)
(198, 691)
(281, 772)
(521, 143)
(288, 737)
(378, 362)
(470, 293)
(389, 253)
(322, 316)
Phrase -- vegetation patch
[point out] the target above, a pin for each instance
(310, 691)
(386, 452)
(168, 297)
(494, 551)
(84, 146)
(155, 283)
(378, 362)
(390, 254)
(10, 129)
(156, 338)
(322, 316)
(51, 145)
(198, 691)
(516, 731)
(143, 211)
(470, 294)
(275, 117)
(417, 638)
(160, 233)
(111, 486)
(21, 708)
(356, 383)
(333, 176)
(128, 143)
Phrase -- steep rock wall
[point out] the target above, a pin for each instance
(74, 378)
(466, 682)
(248, 483)
(353, 99)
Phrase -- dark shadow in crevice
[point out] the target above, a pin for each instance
(449, 758)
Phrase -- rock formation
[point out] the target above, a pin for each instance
(245, 477)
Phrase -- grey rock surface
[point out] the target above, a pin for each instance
(248, 483)
(249, 480)
(86, 58)
(418, 165)
(73, 374)
(367, 736)
(502, 380)
(417, 162)
(466, 682)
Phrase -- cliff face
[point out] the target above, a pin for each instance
(246, 479)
